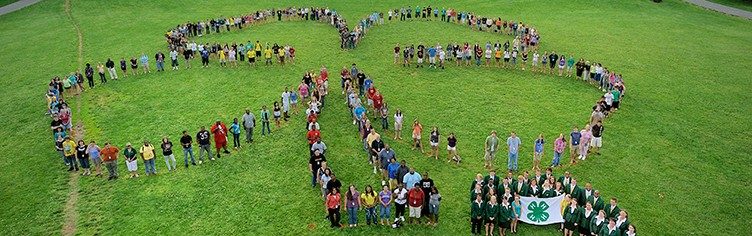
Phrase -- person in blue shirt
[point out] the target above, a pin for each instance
(574, 144)
(205, 58)
(235, 130)
(514, 146)
(145, 63)
(411, 178)
(393, 170)
(432, 57)
(359, 112)
(538, 151)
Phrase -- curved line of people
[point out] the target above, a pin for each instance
(401, 185)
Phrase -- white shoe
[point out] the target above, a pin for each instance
(200, 162)
(212, 158)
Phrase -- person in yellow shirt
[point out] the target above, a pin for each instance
(281, 56)
(69, 150)
(147, 153)
(251, 58)
(222, 56)
(268, 55)
(257, 48)
(368, 201)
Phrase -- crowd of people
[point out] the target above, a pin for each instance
(525, 32)
(179, 37)
(401, 185)
(495, 203)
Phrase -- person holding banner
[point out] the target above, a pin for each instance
(587, 215)
(572, 217)
(491, 212)
(506, 215)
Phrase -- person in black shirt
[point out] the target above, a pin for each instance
(204, 144)
(333, 184)
(597, 131)
(426, 184)
(580, 66)
(361, 80)
(452, 149)
(552, 59)
(186, 141)
(111, 68)
(89, 71)
(314, 164)
(376, 146)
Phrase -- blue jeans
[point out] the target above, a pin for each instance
(160, 65)
(557, 158)
(186, 152)
(352, 215)
(313, 178)
(371, 215)
(512, 163)
(384, 123)
(149, 166)
(264, 127)
(384, 212)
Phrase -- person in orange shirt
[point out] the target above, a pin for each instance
(417, 129)
(109, 156)
(219, 130)
(313, 135)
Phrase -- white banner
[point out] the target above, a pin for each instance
(541, 211)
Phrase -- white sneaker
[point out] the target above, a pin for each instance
(212, 158)
(200, 162)
(383, 183)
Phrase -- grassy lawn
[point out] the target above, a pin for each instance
(685, 123)
(741, 4)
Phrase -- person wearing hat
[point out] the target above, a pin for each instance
(220, 137)
(130, 160)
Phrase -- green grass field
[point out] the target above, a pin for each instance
(676, 155)
(741, 4)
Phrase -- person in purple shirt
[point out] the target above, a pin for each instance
(575, 144)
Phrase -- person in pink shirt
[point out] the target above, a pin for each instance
(559, 146)
(303, 90)
(585, 137)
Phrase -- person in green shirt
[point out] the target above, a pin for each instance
(265, 121)
(506, 214)
(598, 222)
(570, 64)
(130, 160)
(572, 217)
(617, 98)
(491, 146)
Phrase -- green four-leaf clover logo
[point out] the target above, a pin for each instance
(537, 211)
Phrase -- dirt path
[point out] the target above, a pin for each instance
(70, 213)
(722, 8)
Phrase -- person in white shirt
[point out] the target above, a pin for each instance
(398, 118)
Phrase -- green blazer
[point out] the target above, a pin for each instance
(561, 180)
(548, 193)
(575, 192)
(540, 180)
(597, 205)
(573, 217)
(538, 192)
(496, 181)
(506, 214)
(585, 219)
(523, 191)
(501, 187)
(623, 227)
(491, 211)
(596, 228)
(476, 182)
(611, 213)
(476, 210)
(605, 231)
(473, 194)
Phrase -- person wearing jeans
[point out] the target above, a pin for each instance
(147, 153)
(109, 156)
(235, 130)
(186, 141)
(249, 122)
(169, 157)
(352, 201)
(368, 200)
(514, 145)
(559, 146)
(265, 121)
(204, 144)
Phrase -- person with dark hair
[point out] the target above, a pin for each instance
(109, 156)
(352, 202)
(332, 205)
(219, 130)
(434, 201)
(368, 201)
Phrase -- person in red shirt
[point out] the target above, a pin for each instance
(378, 101)
(312, 136)
(220, 136)
(345, 74)
(415, 200)
(332, 206)
(324, 73)
(109, 156)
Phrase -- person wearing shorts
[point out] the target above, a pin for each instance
(398, 118)
(415, 202)
(538, 151)
(433, 140)
(417, 129)
(574, 144)
(396, 53)
(595, 142)
(491, 146)
(452, 149)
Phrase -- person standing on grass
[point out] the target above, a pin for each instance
(203, 138)
(315, 162)
(400, 201)
(100, 71)
(89, 73)
(559, 146)
(384, 156)
(514, 145)
(265, 121)
(285, 98)
(452, 149)
(417, 130)
(538, 151)
(393, 170)
(332, 206)
(416, 199)
(159, 58)
(69, 150)
(249, 122)
(319, 146)
(491, 213)
(352, 201)
(433, 140)
(434, 202)
(186, 141)
(130, 160)
(123, 67)
(398, 119)
(168, 155)
(574, 145)
(490, 146)
(277, 114)
(313, 135)
(174, 58)
(426, 184)
(572, 217)
(587, 216)
(385, 200)
(147, 153)
(109, 156)
(585, 136)
(505, 216)
(368, 201)
(111, 68)
(595, 142)
(219, 130)
(477, 214)
(235, 130)
(83, 157)
(95, 154)
(598, 223)
(145, 63)
(411, 178)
